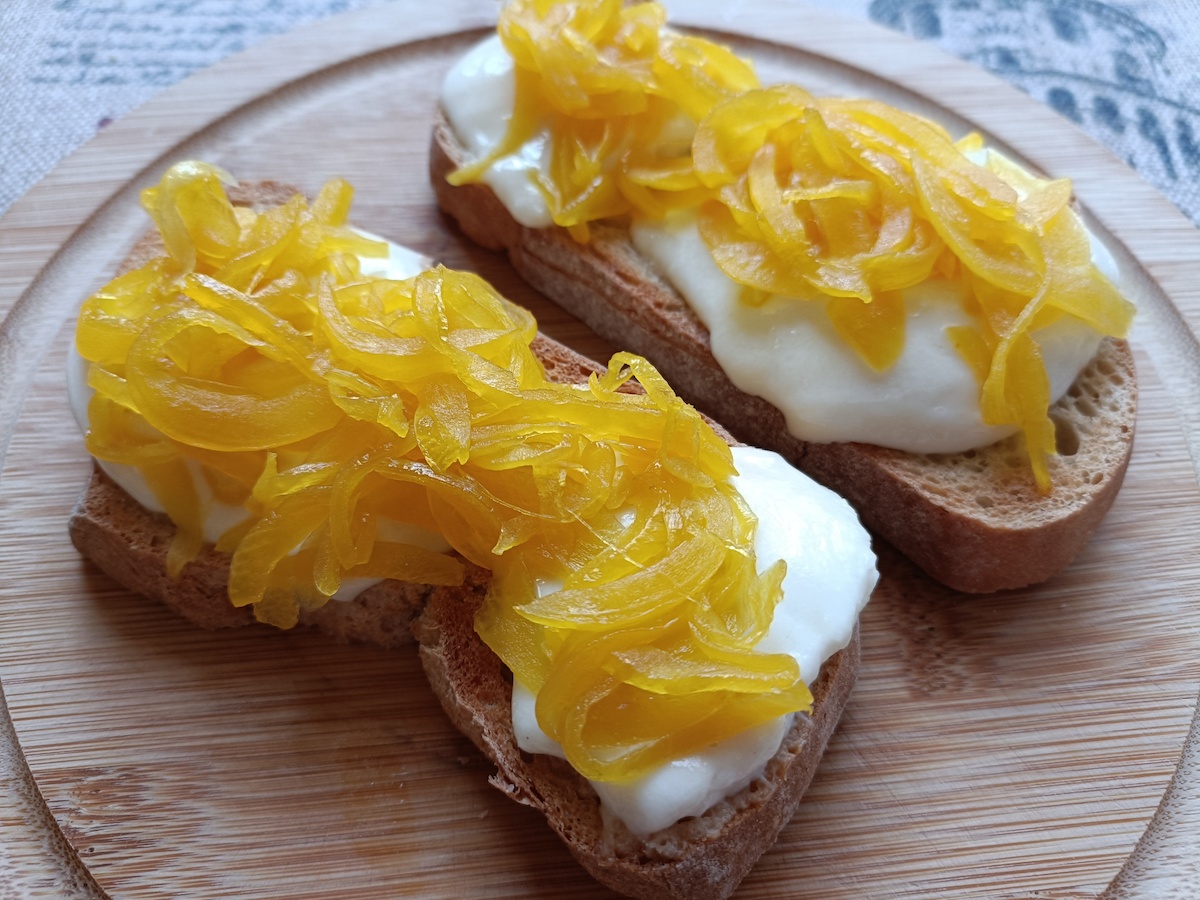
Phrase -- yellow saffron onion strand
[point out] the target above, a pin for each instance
(844, 202)
(619, 96)
(851, 201)
(255, 365)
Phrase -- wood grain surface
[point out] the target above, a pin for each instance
(1015, 745)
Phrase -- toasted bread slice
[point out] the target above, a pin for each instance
(974, 521)
(697, 858)
(129, 543)
(704, 857)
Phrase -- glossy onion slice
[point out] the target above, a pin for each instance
(255, 366)
(620, 97)
(842, 202)
(849, 201)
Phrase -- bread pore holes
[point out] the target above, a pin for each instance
(1066, 438)
(1085, 406)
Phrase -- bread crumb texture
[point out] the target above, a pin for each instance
(1093, 426)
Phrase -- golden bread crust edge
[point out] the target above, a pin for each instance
(973, 521)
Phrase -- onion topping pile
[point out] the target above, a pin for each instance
(255, 364)
(619, 97)
(842, 202)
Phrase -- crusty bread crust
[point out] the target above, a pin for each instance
(973, 520)
(695, 859)
(698, 858)
(129, 544)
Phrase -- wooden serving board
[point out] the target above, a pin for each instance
(1011, 745)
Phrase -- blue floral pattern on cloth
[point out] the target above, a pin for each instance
(1094, 63)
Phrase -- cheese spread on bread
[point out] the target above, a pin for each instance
(788, 353)
(257, 364)
(830, 576)
(878, 285)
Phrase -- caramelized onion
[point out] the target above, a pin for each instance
(842, 202)
(614, 90)
(262, 370)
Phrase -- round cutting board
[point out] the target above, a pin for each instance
(1009, 745)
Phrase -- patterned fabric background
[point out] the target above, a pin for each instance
(1127, 73)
